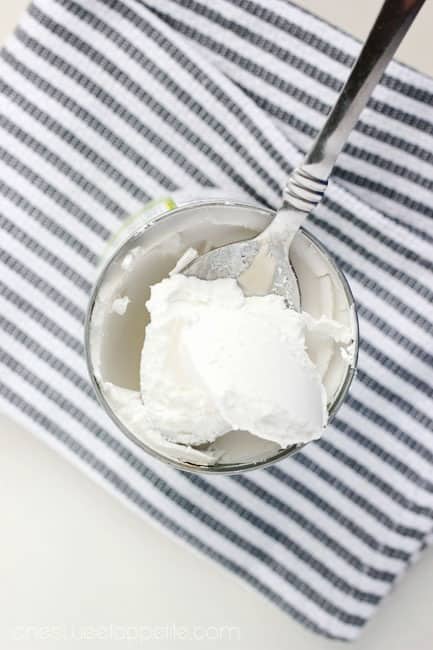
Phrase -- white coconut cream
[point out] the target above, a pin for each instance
(217, 378)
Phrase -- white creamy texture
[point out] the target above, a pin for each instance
(116, 340)
(189, 256)
(215, 361)
(120, 305)
(132, 412)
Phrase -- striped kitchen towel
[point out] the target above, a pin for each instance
(107, 103)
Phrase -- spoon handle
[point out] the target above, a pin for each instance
(307, 183)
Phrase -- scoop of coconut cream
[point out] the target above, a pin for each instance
(215, 361)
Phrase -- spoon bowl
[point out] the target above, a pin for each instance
(258, 266)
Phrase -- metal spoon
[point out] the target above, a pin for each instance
(261, 265)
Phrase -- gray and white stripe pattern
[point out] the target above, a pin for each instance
(105, 104)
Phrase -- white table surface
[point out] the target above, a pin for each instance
(79, 570)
